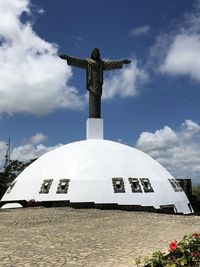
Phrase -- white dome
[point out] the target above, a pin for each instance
(99, 172)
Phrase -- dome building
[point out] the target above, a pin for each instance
(97, 173)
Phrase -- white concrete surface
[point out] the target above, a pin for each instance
(90, 165)
(94, 128)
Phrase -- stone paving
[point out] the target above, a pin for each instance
(37, 237)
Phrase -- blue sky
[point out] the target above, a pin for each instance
(153, 104)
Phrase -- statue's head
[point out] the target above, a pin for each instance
(95, 54)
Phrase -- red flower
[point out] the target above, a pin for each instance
(196, 254)
(172, 245)
(196, 235)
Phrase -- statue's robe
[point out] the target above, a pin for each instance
(94, 79)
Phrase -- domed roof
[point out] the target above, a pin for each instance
(100, 172)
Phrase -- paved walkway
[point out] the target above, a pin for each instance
(69, 237)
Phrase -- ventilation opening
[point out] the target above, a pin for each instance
(146, 185)
(46, 186)
(178, 185)
(11, 187)
(63, 186)
(118, 185)
(175, 185)
(171, 208)
(135, 185)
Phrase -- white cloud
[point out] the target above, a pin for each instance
(178, 151)
(30, 151)
(179, 50)
(190, 130)
(32, 147)
(33, 78)
(125, 82)
(139, 31)
(161, 139)
(37, 139)
(3, 149)
(41, 11)
(183, 57)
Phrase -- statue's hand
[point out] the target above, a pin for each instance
(63, 56)
(126, 61)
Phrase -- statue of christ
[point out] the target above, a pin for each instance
(95, 67)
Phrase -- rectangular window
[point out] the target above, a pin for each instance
(178, 185)
(135, 185)
(118, 185)
(174, 185)
(169, 208)
(146, 185)
(63, 186)
(46, 186)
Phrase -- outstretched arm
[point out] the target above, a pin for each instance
(126, 61)
(115, 64)
(76, 62)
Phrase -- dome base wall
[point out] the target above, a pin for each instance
(166, 209)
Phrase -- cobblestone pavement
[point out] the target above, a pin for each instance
(86, 237)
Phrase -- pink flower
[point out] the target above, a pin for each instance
(172, 245)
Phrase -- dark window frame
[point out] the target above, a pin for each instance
(133, 182)
(64, 190)
(174, 185)
(46, 185)
(178, 185)
(147, 187)
(118, 185)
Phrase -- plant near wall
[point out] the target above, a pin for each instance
(183, 253)
(196, 190)
(12, 170)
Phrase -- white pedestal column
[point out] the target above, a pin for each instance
(94, 128)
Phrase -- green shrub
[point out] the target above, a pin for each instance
(196, 190)
(183, 253)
